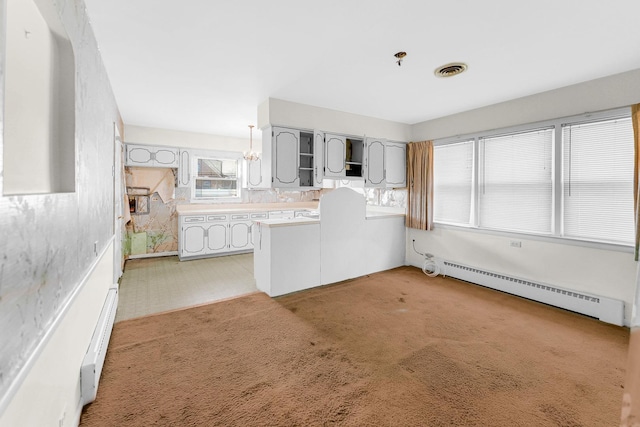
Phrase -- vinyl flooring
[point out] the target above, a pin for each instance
(154, 285)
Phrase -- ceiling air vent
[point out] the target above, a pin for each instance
(450, 70)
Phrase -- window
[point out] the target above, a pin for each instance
(453, 178)
(216, 178)
(565, 178)
(516, 191)
(598, 180)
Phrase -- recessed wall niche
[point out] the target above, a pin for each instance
(39, 101)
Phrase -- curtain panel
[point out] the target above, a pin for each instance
(635, 118)
(420, 185)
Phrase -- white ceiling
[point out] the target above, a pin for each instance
(204, 66)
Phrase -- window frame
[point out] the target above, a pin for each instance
(237, 157)
(557, 182)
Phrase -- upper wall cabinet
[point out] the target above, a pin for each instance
(396, 168)
(289, 160)
(286, 149)
(184, 169)
(150, 156)
(374, 162)
(335, 156)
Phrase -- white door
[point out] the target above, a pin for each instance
(118, 204)
(318, 158)
(335, 156)
(217, 238)
(138, 155)
(240, 236)
(166, 157)
(374, 158)
(286, 146)
(193, 240)
(396, 164)
(184, 169)
(254, 173)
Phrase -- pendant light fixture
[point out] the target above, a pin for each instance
(251, 155)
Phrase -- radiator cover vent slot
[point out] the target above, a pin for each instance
(603, 308)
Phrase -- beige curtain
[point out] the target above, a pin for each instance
(420, 185)
(635, 118)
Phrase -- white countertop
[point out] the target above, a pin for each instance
(242, 207)
(287, 222)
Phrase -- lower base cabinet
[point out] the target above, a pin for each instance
(209, 235)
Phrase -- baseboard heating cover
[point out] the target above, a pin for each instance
(94, 359)
(603, 308)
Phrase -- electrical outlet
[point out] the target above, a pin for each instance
(515, 244)
(95, 248)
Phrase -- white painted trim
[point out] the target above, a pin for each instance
(154, 255)
(33, 357)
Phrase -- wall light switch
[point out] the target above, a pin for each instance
(515, 244)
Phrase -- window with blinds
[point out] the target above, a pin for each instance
(453, 183)
(564, 178)
(597, 181)
(515, 182)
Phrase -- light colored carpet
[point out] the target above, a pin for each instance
(392, 349)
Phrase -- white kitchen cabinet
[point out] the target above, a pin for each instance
(396, 164)
(203, 235)
(184, 169)
(217, 234)
(374, 162)
(152, 156)
(286, 146)
(254, 174)
(290, 160)
(335, 152)
(240, 232)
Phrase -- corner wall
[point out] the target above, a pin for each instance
(604, 272)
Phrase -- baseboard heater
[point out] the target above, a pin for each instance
(605, 309)
(94, 359)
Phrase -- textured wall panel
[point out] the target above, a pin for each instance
(47, 241)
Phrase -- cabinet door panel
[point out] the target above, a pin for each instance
(396, 175)
(193, 240)
(254, 173)
(335, 155)
(139, 156)
(318, 158)
(286, 145)
(374, 162)
(184, 175)
(166, 157)
(240, 237)
(217, 238)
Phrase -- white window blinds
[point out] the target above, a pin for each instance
(453, 178)
(515, 190)
(598, 181)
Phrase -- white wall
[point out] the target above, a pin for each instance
(49, 393)
(291, 114)
(49, 302)
(174, 138)
(29, 115)
(606, 93)
(603, 272)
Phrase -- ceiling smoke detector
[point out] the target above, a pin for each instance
(450, 70)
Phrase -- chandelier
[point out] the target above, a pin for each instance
(251, 155)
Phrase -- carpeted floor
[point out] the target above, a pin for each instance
(391, 349)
